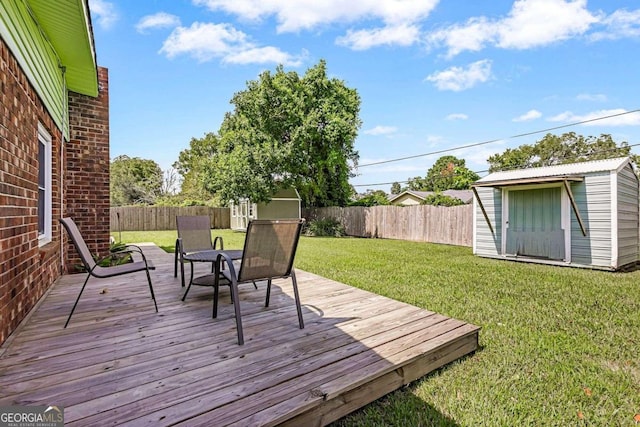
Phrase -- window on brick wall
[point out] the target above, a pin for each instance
(44, 186)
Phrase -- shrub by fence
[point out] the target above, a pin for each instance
(421, 223)
(150, 218)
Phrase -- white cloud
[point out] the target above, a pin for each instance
(622, 118)
(207, 41)
(591, 97)
(476, 158)
(157, 20)
(620, 24)
(264, 55)
(104, 11)
(457, 116)
(534, 23)
(381, 130)
(529, 115)
(472, 36)
(400, 35)
(293, 16)
(458, 79)
(530, 23)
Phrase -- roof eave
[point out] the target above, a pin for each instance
(528, 181)
(67, 26)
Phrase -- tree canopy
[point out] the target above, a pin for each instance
(134, 181)
(554, 150)
(395, 188)
(447, 173)
(371, 198)
(285, 130)
(439, 199)
(191, 166)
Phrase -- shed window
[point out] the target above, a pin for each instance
(44, 186)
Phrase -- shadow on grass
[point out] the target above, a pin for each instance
(399, 408)
(403, 408)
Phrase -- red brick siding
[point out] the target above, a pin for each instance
(81, 178)
(87, 169)
(27, 270)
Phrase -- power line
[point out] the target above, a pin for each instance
(496, 140)
(486, 170)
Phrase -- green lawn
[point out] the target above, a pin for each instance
(559, 346)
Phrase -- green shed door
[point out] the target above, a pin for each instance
(534, 228)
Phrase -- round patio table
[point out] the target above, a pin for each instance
(210, 256)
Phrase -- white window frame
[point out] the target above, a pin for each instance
(44, 138)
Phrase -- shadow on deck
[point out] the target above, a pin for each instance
(119, 362)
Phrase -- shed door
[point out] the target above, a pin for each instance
(534, 227)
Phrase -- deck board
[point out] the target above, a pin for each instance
(119, 362)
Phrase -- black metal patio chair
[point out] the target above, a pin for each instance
(194, 244)
(194, 236)
(269, 251)
(94, 269)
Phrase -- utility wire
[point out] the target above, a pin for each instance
(499, 139)
(486, 170)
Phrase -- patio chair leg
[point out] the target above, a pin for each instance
(216, 286)
(175, 261)
(297, 296)
(236, 306)
(153, 296)
(77, 299)
(190, 282)
(266, 302)
(182, 271)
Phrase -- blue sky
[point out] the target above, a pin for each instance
(432, 74)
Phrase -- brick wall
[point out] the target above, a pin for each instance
(87, 170)
(27, 270)
(80, 188)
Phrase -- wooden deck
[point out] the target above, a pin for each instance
(120, 363)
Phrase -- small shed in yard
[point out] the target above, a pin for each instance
(285, 204)
(579, 214)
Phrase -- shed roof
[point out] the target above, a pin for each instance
(546, 172)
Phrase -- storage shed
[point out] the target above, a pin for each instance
(579, 214)
(285, 204)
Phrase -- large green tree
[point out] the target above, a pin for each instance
(134, 181)
(287, 130)
(447, 173)
(191, 166)
(559, 149)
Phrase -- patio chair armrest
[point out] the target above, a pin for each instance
(215, 242)
(232, 269)
(135, 248)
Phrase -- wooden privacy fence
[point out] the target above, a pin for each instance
(150, 218)
(421, 223)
